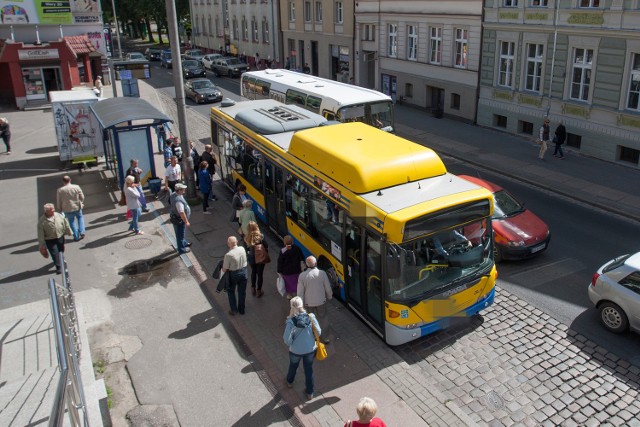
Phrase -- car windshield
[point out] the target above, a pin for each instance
(167, 55)
(203, 85)
(191, 63)
(420, 267)
(505, 205)
(136, 56)
(232, 61)
(195, 53)
(154, 50)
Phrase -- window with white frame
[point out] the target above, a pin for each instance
(265, 31)
(236, 31)
(218, 26)
(435, 45)
(581, 74)
(539, 3)
(368, 32)
(318, 11)
(307, 11)
(590, 3)
(245, 29)
(505, 73)
(254, 27)
(412, 42)
(461, 46)
(392, 49)
(633, 100)
(209, 25)
(339, 12)
(510, 3)
(535, 53)
(292, 11)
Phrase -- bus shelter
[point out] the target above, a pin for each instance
(126, 125)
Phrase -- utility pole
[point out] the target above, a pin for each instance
(176, 64)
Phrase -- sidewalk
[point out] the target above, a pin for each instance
(156, 316)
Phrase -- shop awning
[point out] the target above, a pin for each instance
(80, 44)
(113, 111)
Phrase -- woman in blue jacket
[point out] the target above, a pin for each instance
(299, 337)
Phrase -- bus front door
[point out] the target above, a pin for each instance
(274, 197)
(363, 275)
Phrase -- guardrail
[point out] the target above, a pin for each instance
(69, 392)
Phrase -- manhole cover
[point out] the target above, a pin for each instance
(494, 401)
(138, 243)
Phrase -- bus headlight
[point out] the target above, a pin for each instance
(411, 326)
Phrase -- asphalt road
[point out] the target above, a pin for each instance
(555, 281)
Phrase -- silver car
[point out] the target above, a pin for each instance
(615, 291)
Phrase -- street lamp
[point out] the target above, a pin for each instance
(115, 20)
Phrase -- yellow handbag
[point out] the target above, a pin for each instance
(321, 351)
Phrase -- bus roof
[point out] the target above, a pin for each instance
(268, 116)
(318, 86)
(363, 158)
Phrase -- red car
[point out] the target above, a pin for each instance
(518, 232)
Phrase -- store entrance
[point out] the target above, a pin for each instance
(39, 81)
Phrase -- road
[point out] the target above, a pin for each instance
(555, 281)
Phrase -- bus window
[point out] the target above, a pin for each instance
(373, 278)
(313, 103)
(380, 115)
(249, 88)
(296, 97)
(296, 194)
(329, 115)
(354, 113)
(325, 222)
(262, 89)
(253, 168)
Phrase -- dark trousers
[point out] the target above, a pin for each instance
(257, 271)
(180, 231)
(172, 185)
(205, 201)
(7, 141)
(237, 280)
(55, 246)
(558, 150)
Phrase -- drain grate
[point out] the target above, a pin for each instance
(138, 243)
(494, 401)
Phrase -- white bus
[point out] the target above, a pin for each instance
(334, 100)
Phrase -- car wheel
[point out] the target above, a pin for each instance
(215, 72)
(613, 317)
(230, 73)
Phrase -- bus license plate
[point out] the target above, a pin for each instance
(538, 248)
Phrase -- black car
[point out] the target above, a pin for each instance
(202, 90)
(192, 68)
(152, 54)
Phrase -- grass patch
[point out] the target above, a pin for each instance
(99, 366)
(109, 396)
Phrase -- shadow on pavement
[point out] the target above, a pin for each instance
(43, 150)
(198, 323)
(106, 240)
(31, 167)
(30, 274)
(272, 412)
(143, 274)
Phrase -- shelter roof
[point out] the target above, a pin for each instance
(114, 111)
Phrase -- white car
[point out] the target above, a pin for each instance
(135, 56)
(207, 60)
(615, 291)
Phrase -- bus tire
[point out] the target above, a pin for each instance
(327, 267)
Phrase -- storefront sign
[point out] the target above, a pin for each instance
(86, 18)
(37, 54)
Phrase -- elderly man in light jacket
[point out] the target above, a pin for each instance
(70, 201)
(314, 288)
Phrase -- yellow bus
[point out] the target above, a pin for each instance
(408, 245)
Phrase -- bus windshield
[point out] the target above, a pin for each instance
(378, 114)
(422, 267)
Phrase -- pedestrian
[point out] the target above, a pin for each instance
(287, 63)
(236, 201)
(161, 136)
(195, 160)
(204, 177)
(246, 215)
(176, 148)
(5, 132)
(306, 69)
(133, 203)
(559, 139)
(235, 264)
(258, 256)
(70, 201)
(98, 85)
(290, 265)
(179, 214)
(314, 288)
(52, 227)
(168, 152)
(135, 171)
(299, 337)
(173, 174)
(207, 155)
(366, 410)
(543, 138)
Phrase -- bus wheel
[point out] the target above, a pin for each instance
(327, 267)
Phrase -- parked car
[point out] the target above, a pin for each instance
(192, 68)
(207, 60)
(135, 56)
(615, 291)
(202, 90)
(518, 232)
(229, 66)
(152, 54)
(195, 54)
(165, 59)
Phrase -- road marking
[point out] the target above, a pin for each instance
(548, 272)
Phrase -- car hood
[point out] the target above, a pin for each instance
(207, 91)
(525, 226)
(193, 69)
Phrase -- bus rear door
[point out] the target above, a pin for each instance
(274, 197)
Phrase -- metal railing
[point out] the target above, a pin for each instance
(69, 392)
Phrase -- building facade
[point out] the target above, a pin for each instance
(575, 61)
(425, 53)
(318, 35)
(244, 28)
(48, 46)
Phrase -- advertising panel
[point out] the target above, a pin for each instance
(15, 12)
(77, 129)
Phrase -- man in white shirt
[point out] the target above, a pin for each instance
(314, 288)
(172, 175)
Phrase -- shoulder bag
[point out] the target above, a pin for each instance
(321, 351)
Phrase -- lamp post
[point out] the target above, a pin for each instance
(115, 20)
